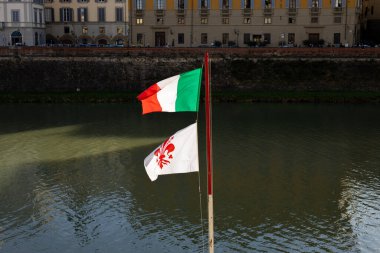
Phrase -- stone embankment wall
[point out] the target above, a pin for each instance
(33, 69)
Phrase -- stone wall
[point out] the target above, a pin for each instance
(30, 69)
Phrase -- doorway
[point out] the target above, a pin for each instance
(160, 39)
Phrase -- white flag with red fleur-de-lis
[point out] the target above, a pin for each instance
(178, 154)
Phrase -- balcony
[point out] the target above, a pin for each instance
(268, 11)
(180, 12)
(247, 12)
(159, 13)
(204, 12)
(139, 13)
(338, 10)
(292, 11)
(225, 12)
(314, 11)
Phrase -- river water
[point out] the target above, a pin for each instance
(287, 178)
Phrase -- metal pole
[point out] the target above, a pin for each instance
(209, 156)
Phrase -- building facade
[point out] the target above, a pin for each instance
(193, 23)
(22, 22)
(99, 22)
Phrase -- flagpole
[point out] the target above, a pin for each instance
(209, 155)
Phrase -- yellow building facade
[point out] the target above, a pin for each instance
(202, 23)
(97, 22)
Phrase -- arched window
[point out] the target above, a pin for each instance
(16, 37)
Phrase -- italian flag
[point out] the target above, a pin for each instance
(175, 94)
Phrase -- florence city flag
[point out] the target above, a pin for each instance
(175, 94)
(178, 154)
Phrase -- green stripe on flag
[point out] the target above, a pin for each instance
(188, 91)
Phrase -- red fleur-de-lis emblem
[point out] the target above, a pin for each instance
(163, 153)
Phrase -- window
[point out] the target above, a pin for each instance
(82, 1)
(65, 1)
(119, 30)
(247, 4)
(66, 14)
(292, 4)
(314, 3)
(160, 5)
(246, 38)
(102, 30)
(15, 16)
(291, 38)
(268, 4)
(35, 12)
(40, 16)
(101, 14)
(82, 14)
(267, 20)
(225, 4)
(337, 20)
(100, 1)
(139, 38)
(225, 21)
(119, 14)
(338, 3)
(203, 38)
(204, 4)
(66, 29)
(139, 4)
(314, 20)
(180, 21)
(139, 21)
(84, 29)
(181, 4)
(336, 38)
(225, 38)
(267, 38)
(49, 15)
(246, 20)
(160, 21)
(181, 38)
(292, 20)
(204, 21)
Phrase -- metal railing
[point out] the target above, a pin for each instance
(247, 12)
(159, 13)
(204, 11)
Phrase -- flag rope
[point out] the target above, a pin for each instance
(199, 185)
(200, 208)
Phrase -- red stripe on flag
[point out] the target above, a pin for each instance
(151, 104)
(149, 92)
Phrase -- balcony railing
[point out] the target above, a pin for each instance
(292, 11)
(315, 10)
(204, 12)
(268, 11)
(247, 12)
(139, 13)
(180, 12)
(225, 12)
(338, 10)
(159, 13)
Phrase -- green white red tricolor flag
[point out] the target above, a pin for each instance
(175, 94)
(178, 154)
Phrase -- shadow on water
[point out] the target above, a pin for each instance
(287, 178)
(113, 119)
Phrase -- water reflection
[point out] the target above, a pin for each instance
(298, 178)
